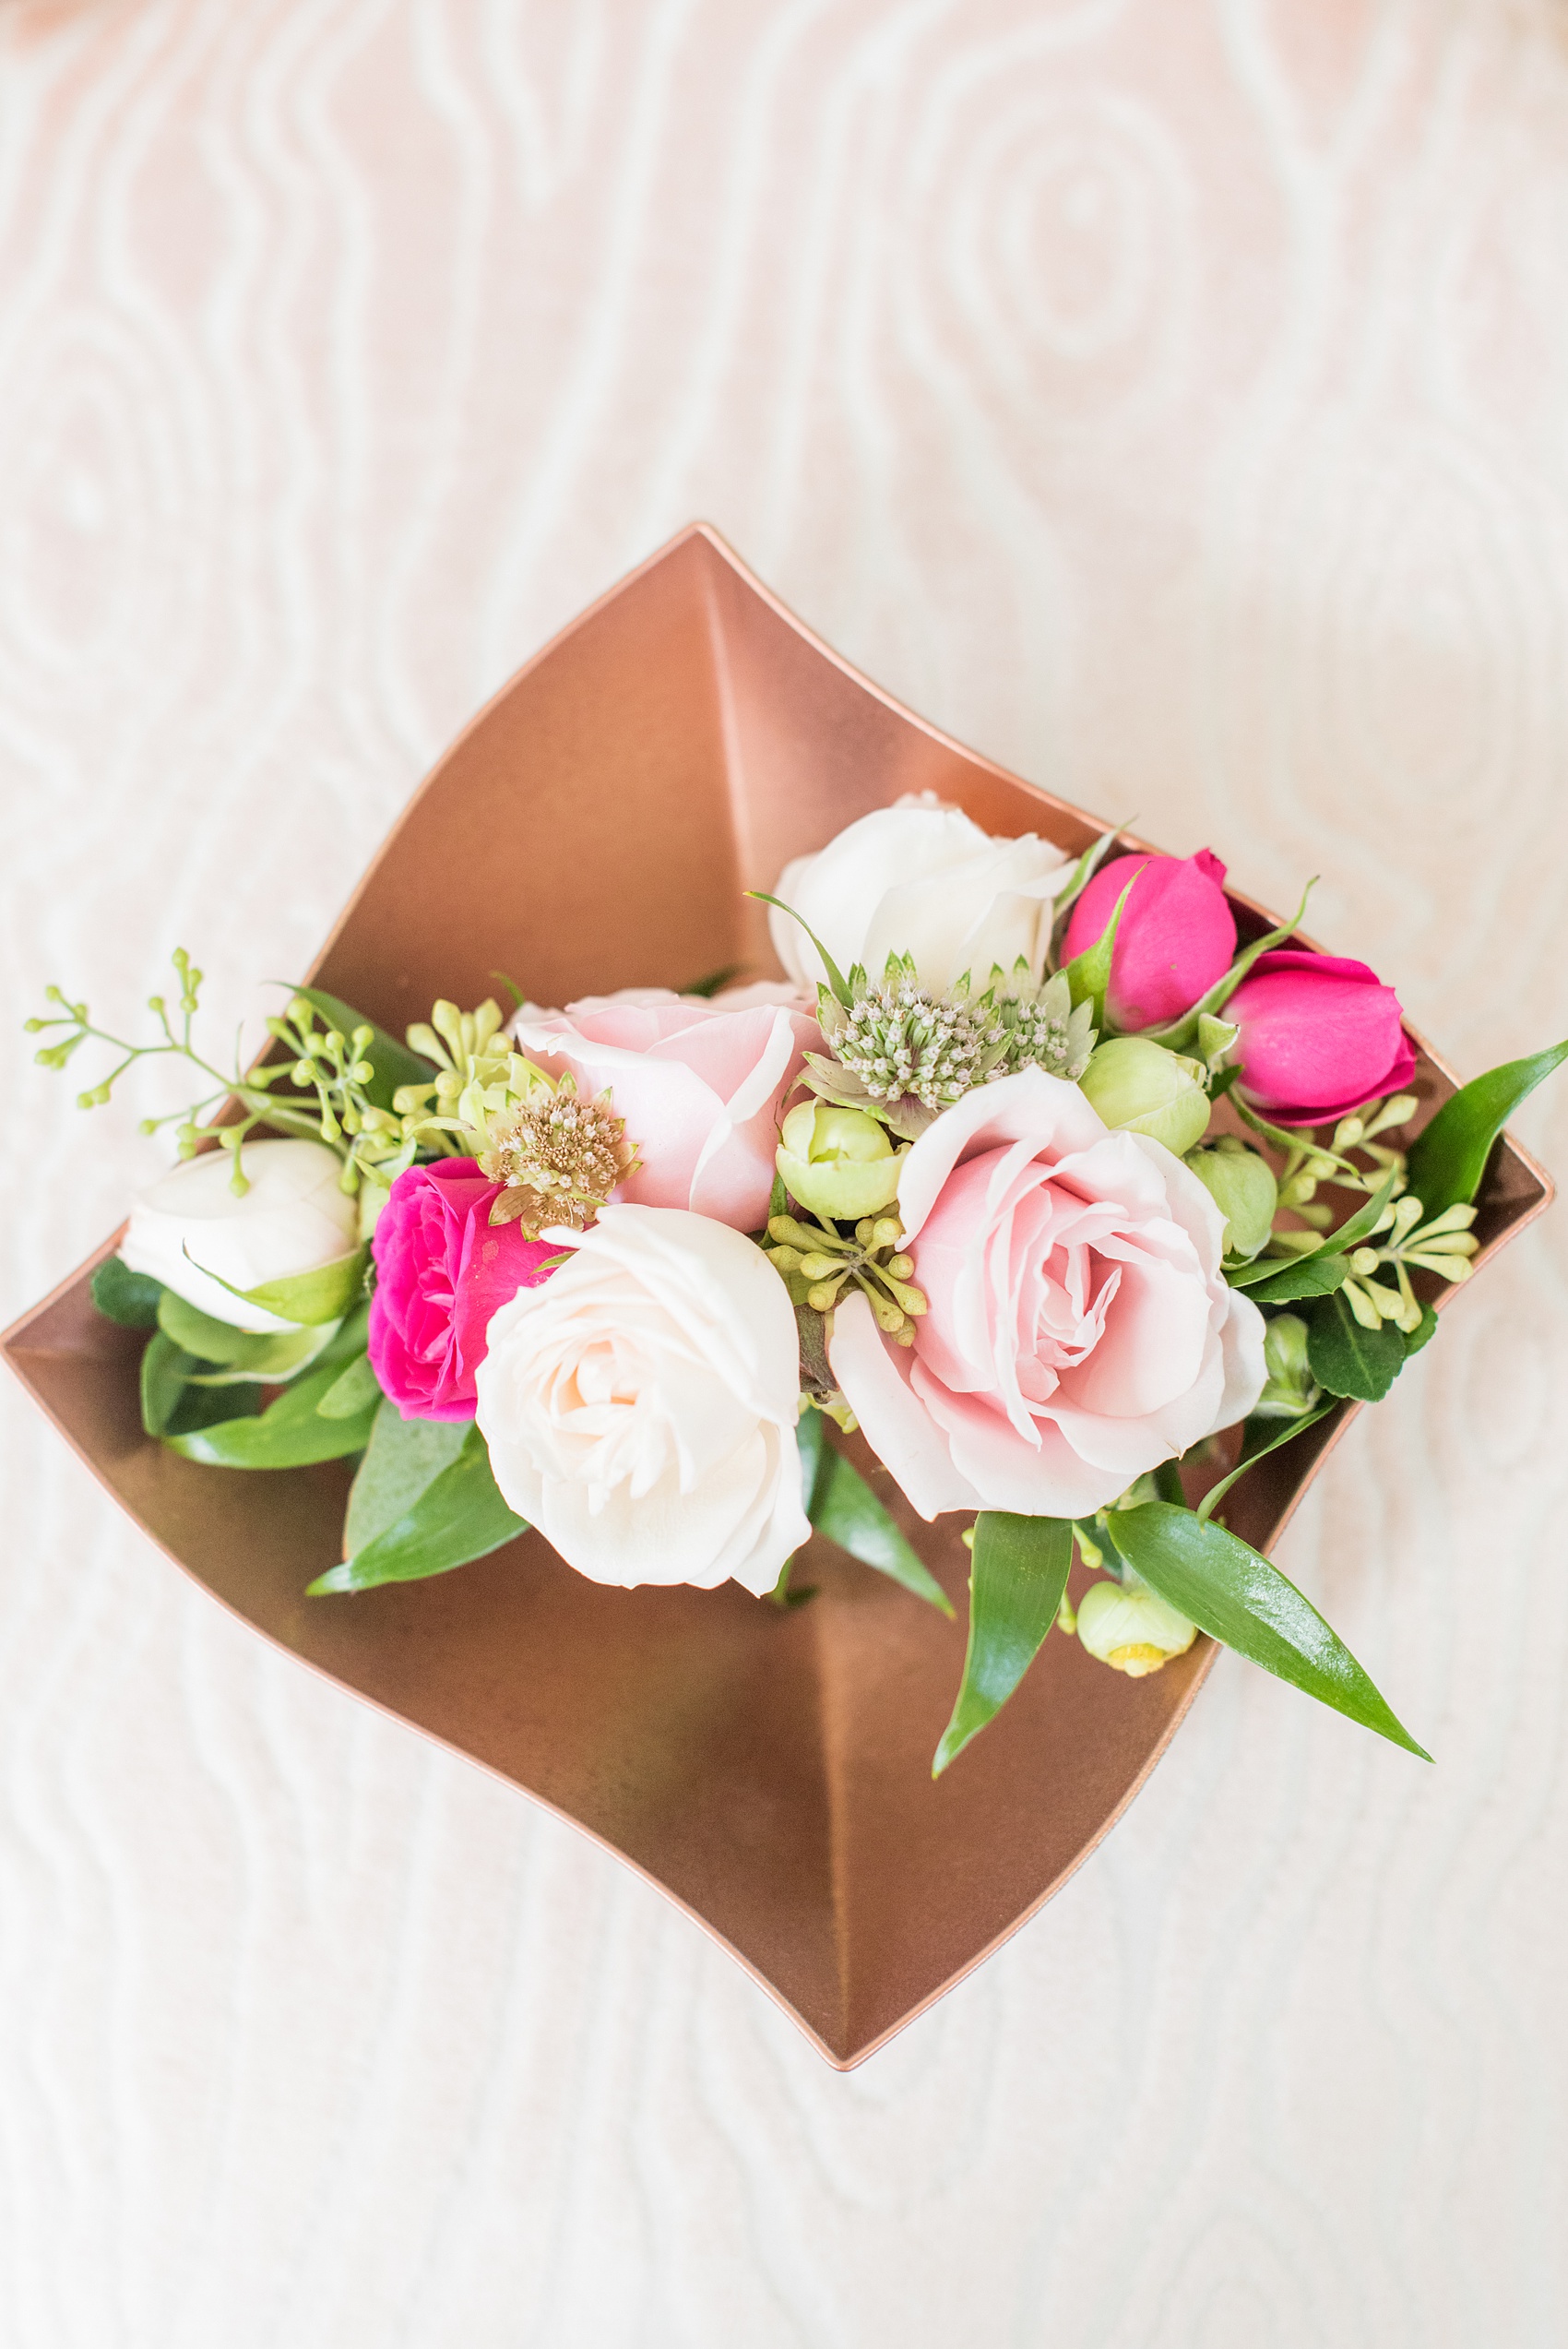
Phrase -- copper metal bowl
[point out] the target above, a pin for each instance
(595, 828)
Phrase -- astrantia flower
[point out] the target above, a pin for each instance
(559, 1155)
(910, 1054)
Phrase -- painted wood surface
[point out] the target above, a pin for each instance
(1167, 396)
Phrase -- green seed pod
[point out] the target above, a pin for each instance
(1241, 1182)
(1140, 1087)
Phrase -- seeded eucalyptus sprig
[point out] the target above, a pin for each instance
(326, 1067)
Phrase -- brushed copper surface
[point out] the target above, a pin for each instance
(592, 828)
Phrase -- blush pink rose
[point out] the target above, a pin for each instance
(1080, 1330)
(699, 1084)
(1176, 936)
(1319, 1036)
(442, 1270)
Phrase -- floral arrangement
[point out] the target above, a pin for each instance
(1018, 1171)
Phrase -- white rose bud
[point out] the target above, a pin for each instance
(1142, 1089)
(839, 1162)
(922, 879)
(1128, 1626)
(640, 1404)
(294, 1218)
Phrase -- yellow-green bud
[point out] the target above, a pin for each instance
(1290, 1389)
(839, 1162)
(1128, 1626)
(1140, 1087)
(1241, 1183)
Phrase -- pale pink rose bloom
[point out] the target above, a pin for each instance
(1080, 1330)
(699, 1084)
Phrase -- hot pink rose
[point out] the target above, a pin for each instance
(1319, 1037)
(442, 1270)
(1176, 936)
(699, 1085)
(1080, 1330)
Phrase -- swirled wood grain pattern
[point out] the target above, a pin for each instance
(1169, 399)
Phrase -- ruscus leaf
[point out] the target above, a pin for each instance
(460, 1515)
(1271, 1440)
(403, 1457)
(1317, 1275)
(1015, 1585)
(1448, 1158)
(1234, 1595)
(844, 1507)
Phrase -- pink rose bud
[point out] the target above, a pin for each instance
(1319, 1036)
(1177, 934)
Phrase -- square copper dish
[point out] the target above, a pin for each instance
(594, 828)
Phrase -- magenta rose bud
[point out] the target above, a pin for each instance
(1319, 1036)
(442, 1270)
(1177, 934)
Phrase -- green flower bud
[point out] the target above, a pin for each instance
(839, 1162)
(1129, 1628)
(1290, 1389)
(1140, 1087)
(1241, 1182)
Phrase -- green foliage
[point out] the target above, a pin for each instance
(403, 1457)
(1346, 1359)
(271, 1357)
(1089, 974)
(130, 1298)
(458, 1517)
(1449, 1158)
(841, 1505)
(307, 1298)
(1015, 1585)
(1234, 1595)
(393, 1063)
(1317, 1275)
(353, 1390)
(292, 1432)
(837, 984)
(1260, 1437)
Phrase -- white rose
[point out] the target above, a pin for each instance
(293, 1218)
(640, 1404)
(923, 880)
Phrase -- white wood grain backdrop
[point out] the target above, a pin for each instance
(1171, 398)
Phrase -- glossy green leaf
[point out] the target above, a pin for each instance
(1317, 1275)
(1228, 1590)
(164, 1370)
(1348, 1360)
(1015, 1585)
(130, 1298)
(1270, 1437)
(271, 1358)
(459, 1517)
(354, 1391)
(305, 1298)
(403, 1457)
(209, 1401)
(394, 1064)
(1448, 1158)
(844, 1507)
(290, 1432)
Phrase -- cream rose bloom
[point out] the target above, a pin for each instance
(923, 880)
(640, 1405)
(294, 1218)
(1080, 1330)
